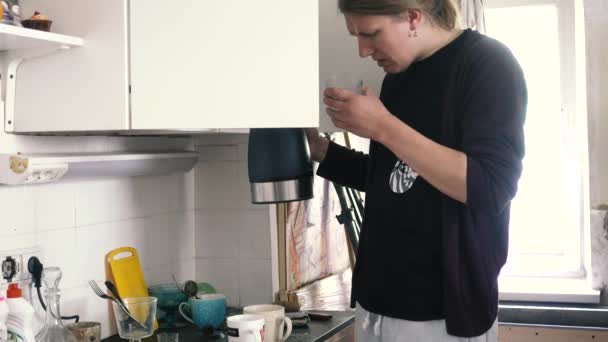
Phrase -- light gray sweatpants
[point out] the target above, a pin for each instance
(370, 327)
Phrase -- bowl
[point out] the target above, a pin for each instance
(37, 24)
(169, 298)
(205, 288)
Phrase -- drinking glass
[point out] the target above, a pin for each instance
(345, 81)
(143, 309)
(168, 337)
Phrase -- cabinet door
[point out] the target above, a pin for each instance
(339, 55)
(223, 64)
(85, 88)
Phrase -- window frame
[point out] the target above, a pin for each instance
(573, 285)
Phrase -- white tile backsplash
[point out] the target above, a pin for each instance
(18, 211)
(54, 206)
(255, 282)
(217, 185)
(180, 192)
(182, 238)
(58, 248)
(96, 200)
(198, 225)
(232, 235)
(76, 223)
(217, 234)
(150, 196)
(93, 241)
(223, 274)
(254, 235)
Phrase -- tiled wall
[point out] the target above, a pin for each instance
(76, 223)
(199, 225)
(232, 235)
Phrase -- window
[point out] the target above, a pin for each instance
(547, 215)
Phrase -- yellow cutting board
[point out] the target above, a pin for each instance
(126, 271)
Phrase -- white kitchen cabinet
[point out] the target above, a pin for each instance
(339, 54)
(152, 65)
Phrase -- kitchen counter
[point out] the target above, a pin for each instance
(315, 332)
(551, 314)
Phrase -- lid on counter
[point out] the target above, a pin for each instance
(14, 291)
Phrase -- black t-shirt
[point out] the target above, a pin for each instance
(403, 223)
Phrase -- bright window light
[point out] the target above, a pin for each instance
(545, 230)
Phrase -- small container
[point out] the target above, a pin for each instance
(20, 316)
(37, 24)
(3, 317)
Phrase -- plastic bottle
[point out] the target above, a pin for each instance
(3, 316)
(20, 316)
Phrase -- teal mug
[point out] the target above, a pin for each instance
(207, 310)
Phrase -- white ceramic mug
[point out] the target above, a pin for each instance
(245, 328)
(275, 319)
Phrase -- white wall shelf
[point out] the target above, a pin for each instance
(37, 44)
(14, 38)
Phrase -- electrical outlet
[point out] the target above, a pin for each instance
(14, 263)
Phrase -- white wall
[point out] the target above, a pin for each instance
(596, 15)
(232, 235)
(76, 223)
(596, 27)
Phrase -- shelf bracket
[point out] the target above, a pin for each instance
(11, 82)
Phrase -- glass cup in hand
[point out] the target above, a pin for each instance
(345, 81)
(143, 309)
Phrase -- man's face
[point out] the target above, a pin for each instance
(384, 38)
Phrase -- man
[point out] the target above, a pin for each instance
(445, 157)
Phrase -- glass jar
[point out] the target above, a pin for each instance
(53, 330)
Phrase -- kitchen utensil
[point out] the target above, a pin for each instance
(191, 288)
(169, 297)
(127, 272)
(110, 285)
(84, 332)
(144, 311)
(100, 293)
(181, 288)
(125, 269)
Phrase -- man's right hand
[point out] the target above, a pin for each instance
(318, 145)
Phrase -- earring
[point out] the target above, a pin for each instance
(413, 32)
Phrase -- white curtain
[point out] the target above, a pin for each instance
(472, 15)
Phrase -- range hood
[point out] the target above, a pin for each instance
(18, 169)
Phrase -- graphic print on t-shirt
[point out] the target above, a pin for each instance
(402, 178)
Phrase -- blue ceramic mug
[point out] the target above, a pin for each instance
(207, 310)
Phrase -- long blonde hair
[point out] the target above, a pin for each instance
(443, 13)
